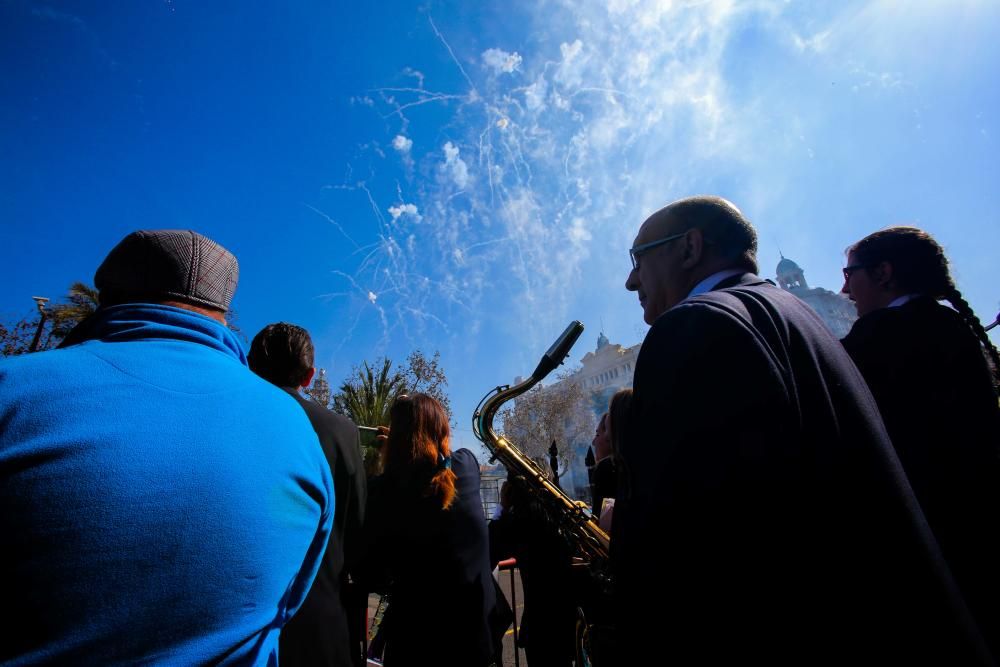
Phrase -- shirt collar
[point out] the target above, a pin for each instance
(709, 283)
(900, 300)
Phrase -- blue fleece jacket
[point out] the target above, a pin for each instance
(159, 503)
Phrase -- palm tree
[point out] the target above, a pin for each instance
(367, 395)
(81, 302)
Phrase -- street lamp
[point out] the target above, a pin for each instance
(995, 322)
(40, 301)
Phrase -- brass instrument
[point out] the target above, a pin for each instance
(589, 543)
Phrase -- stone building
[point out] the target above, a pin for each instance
(605, 370)
(834, 308)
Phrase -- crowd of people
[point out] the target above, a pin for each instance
(772, 494)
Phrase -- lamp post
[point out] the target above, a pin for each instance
(995, 322)
(40, 301)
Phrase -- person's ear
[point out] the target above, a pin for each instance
(307, 378)
(883, 274)
(694, 247)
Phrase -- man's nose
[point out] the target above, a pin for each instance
(632, 282)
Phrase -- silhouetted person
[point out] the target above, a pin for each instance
(326, 631)
(159, 503)
(607, 441)
(427, 537)
(765, 517)
(925, 365)
(548, 618)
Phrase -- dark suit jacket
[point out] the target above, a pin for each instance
(765, 516)
(928, 374)
(323, 631)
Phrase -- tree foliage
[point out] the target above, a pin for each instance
(425, 376)
(557, 412)
(15, 337)
(80, 302)
(367, 394)
(60, 318)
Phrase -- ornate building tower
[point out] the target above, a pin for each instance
(790, 275)
(836, 310)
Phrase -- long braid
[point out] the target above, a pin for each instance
(920, 266)
(956, 299)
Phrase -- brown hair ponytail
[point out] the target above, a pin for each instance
(418, 451)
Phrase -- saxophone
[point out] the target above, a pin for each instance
(589, 543)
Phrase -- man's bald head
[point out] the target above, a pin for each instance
(683, 243)
(728, 235)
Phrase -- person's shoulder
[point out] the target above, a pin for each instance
(464, 456)
(274, 403)
(698, 314)
(464, 463)
(933, 313)
(57, 358)
(324, 418)
(21, 374)
(922, 319)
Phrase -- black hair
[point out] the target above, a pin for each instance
(282, 354)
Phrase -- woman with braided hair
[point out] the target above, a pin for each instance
(426, 542)
(929, 369)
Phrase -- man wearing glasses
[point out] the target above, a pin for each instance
(764, 509)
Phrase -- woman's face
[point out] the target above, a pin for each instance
(861, 287)
(602, 439)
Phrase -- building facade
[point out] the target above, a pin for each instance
(834, 308)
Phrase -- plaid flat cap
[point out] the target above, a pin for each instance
(168, 264)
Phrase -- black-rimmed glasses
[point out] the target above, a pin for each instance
(848, 270)
(635, 251)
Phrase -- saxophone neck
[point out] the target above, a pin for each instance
(482, 419)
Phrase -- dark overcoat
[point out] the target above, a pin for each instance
(929, 376)
(326, 631)
(765, 518)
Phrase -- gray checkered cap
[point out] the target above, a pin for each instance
(168, 264)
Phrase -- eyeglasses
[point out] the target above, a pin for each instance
(848, 270)
(636, 251)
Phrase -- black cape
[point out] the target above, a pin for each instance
(765, 518)
(929, 376)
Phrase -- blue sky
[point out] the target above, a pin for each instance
(467, 177)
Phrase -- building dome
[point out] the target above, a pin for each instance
(786, 266)
(790, 275)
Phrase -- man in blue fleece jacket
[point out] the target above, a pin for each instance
(159, 503)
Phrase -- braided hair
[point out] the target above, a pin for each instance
(920, 266)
